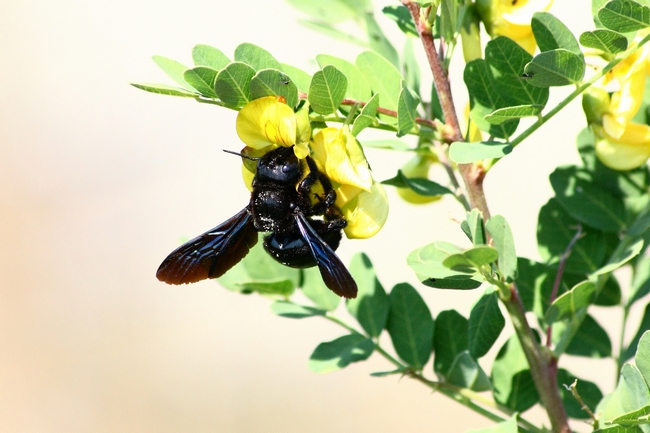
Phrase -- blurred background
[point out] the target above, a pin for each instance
(100, 181)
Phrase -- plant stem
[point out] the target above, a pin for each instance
(473, 174)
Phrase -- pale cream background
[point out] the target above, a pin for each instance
(99, 181)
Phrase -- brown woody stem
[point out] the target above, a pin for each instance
(543, 366)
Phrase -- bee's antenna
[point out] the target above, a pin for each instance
(241, 154)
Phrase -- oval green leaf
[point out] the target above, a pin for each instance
(337, 354)
(233, 84)
(358, 87)
(272, 82)
(550, 34)
(624, 16)
(202, 79)
(555, 68)
(567, 305)
(256, 57)
(608, 41)
(502, 115)
(205, 55)
(410, 325)
(371, 305)
(485, 324)
(327, 90)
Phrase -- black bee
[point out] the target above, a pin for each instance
(304, 228)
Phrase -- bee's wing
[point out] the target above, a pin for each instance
(211, 254)
(335, 275)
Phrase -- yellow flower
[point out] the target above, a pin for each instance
(363, 201)
(620, 143)
(417, 167)
(267, 123)
(512, 18)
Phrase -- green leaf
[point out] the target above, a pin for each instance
(588, 391)
(550, 34)
(420, 185)
(624, 16)
(202, 79)
(483, 99)
(448, 19)
(294, 311)
(485, 324)
(337, 354)
(400, 14)
(513, 386)
(642, 357)
(258, 272)
(427, 263)
(383, 77)
(233, 84)
(630, 395)
(256, 57)
(164, 89)
(407, 104)
(531, 277)
(410, 325)
(509, 426)
(608, 41)
(449, 340)
(555, 231)
(314, 288)
(634, 418)
(471, 260)
(507, 62)
(502, 115)
(641, 282)
(621, 257)
(465, 372)
(367, 117)
(271, 82)
(631, 348)
(327, 90)
(174, 70)
(298, 76)
(358, 87)
(205, 55)
(555, 68)
(504, 242)
(591, 340)
(585, 201)
(462, 152)
(371, 305)
(567, 305)
(473, 227)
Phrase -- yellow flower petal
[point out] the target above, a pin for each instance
(366, 212)
(630, 151)
(418, 166)
(266, 121)
(341, 157)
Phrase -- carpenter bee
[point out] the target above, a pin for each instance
(303, 228)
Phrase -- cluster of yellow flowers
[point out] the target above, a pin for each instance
(611, 106)
(267, 123)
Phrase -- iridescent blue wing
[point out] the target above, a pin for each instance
(334, 273)
(211, 254)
